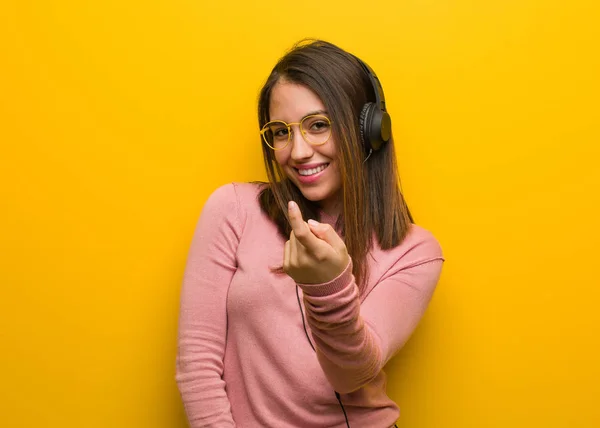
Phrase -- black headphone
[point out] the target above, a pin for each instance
(375, 121)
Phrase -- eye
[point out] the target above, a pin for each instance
(319, 125)
(280, 132)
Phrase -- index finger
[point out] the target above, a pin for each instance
(301, 230)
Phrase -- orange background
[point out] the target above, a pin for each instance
(118, 118)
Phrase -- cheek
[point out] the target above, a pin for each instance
(330, 149)
(281, 157)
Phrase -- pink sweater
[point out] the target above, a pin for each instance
(244, 359)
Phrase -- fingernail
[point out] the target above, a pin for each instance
(313, 222)
(292, 206)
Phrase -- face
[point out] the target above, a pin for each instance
(313, 169)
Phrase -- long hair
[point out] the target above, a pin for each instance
(373, 205)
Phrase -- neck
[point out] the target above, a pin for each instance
(331, 208)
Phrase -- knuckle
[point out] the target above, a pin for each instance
(301, 234)
(320, 256)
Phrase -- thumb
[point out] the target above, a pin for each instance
(326, 233)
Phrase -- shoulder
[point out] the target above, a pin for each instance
(235, 192)
(234, 200)
(248, 192)
(419, 246)
(417, 260)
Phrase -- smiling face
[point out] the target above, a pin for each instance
(313, 169)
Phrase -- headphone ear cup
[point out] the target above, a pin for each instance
(386, 126)
(365, 120)
(380, 128)
(374, 129)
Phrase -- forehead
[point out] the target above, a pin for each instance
(291, 102)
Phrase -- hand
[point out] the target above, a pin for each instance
(315, 253)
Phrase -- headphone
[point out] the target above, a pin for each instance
(375, 121)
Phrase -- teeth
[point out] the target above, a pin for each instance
(312, 171)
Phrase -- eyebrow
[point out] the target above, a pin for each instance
(312, 113)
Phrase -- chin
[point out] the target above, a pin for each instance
(316, 195)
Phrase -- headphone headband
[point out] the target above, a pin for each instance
(375, 122)
(377, 87)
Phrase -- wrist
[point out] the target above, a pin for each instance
(330, 287)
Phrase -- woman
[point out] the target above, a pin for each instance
(286, 322)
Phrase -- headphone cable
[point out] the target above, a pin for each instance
(337, 394)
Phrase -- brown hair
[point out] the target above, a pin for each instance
(373, 204)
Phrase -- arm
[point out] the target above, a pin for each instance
(354, 342)
(210, 267)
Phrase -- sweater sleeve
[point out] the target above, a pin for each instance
(210, 267)
(355, 341)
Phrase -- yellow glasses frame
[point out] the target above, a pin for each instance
(265, 128)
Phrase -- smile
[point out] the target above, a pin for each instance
(312, 171)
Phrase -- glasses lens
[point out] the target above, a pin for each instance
(276, 134)
(316, 129)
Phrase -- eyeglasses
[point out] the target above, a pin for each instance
(315, 129)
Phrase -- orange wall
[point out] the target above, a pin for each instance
(118, 118)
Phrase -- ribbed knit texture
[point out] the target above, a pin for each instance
(244, 359)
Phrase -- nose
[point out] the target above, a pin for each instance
(300, 148)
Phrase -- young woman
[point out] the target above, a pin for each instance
(297, 292)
